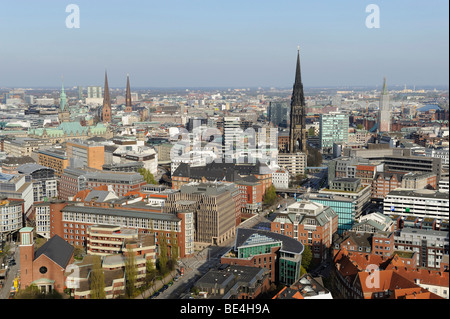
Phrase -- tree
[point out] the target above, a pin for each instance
(173, 249)
(97, 279)
(314, 158)
(306, 257)
(130, 273)
(33, 292)
(148, 176)
(270, 196)
(163, 253)
(150, 272)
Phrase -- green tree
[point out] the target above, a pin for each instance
(130, 273)
(163, 253)
(150, 272)
(97, 282)
(306, 257)
(173, 249)
(359, 126)
(270, 196)
(314, 158)
(33, 292)
(148, 176)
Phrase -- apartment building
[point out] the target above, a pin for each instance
(72, 221)
(430, 245)
(295, 163)
(311, 223)
(11, 217)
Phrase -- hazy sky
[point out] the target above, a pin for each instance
(246, 43)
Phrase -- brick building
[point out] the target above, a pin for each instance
(385, 182)
(312, 224)
(71, 221)
(44, 267)
(252, 179)
(216, 208)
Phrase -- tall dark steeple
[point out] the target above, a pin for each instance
(106, 110)
(128, 105)
(297, 129)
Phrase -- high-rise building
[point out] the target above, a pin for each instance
(384, 113)
(297, 129)
(94, 92)
(80, 92)
(333, 129)
(278, 113)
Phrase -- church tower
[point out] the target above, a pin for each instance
(63, 114)
(26, 249)
(128, 105)
(106, 110)
(297, 129)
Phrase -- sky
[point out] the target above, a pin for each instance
(217, 43)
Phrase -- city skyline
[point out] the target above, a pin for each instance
(210, 44)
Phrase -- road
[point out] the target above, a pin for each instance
(198, 265)
(315, 179)
(12, 273)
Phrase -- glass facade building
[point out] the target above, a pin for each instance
(344, 207)
(333, 129)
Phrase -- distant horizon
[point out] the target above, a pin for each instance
(74, 87)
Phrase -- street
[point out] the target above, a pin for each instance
(12, 273)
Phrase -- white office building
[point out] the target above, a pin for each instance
(422, 203)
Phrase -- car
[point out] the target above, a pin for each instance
(12, 262)
(156, 294)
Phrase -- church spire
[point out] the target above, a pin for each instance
(297, 131)
(62, 97)
(298, 97)
(106, 111)
(128, 105)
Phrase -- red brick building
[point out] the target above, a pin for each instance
(71, 222)
(44, 267)
(310, 223)
(384, 183)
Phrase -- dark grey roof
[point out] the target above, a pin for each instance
(229, 172)
(288, 244)
(119, 212)
(57, 249)
(29, 168)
